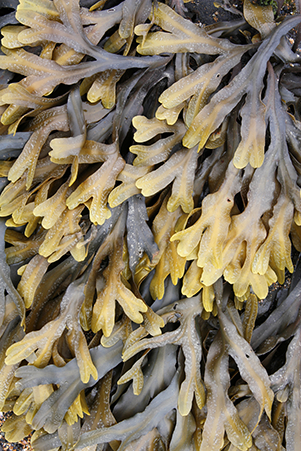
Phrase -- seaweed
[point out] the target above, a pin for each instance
(150, 220)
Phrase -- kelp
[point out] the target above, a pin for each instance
(150, 220)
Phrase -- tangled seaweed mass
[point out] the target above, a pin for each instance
(150, 192)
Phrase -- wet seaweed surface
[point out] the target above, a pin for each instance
(150, 218)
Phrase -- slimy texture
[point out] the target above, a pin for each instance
(150, 218)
